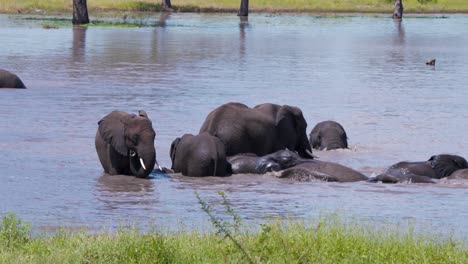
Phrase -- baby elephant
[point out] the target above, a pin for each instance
(276, 161)
(10, 80)
(201, 155)
(437, 167)
(328, 135)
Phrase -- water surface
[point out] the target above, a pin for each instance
(366, 72)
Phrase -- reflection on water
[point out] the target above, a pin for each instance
(164, 16)
(243, 24)
(79, 44)
(121, 194)
(368, 73)
(118, 184)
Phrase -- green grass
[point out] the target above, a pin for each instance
(49, 26)
(326, 241)
(25, 6)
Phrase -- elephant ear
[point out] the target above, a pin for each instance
(289, 115)
(173, 151)
(142, 113)
(286, 126)
(460, 162)
(344, 136)
(112, 130)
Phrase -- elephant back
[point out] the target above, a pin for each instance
(10, 80)
(201, 155)
(262, 130)
(221, 116)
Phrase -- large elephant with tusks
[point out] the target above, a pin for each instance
(125, 144)
(261, 130)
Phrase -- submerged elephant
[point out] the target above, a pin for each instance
(276, 161)
(322, 170)
(328, 135)
(243, 163)
(459, 174)
(201, 155)
(437, 167)
(10, 80)
(125, 144)
(261, 130)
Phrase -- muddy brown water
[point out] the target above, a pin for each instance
(365, 72)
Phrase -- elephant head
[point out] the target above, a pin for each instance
(278, 160)
(291, 127)
(444, 164)
(131, 136)
(328, 135)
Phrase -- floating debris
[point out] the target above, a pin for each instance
(431, 62)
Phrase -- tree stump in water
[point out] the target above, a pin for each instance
(80, 12)
(398, 10)
(166, 5)
(244, 8)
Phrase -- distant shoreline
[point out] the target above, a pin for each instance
(110, 12)
(58, 7)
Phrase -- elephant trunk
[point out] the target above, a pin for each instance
(264, 167)
(335, 144)
(142, 162)
(303, 147)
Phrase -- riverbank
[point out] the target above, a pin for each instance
(326, 241)
(366, 6)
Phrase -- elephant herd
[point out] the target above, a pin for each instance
(238, 139)
(267, 138)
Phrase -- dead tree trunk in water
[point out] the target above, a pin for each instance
(244, 8)
(398, 10)
(166, 5)
(80, 12)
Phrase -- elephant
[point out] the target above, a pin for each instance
(243, 163)
(10, 80)
(276, 161)
(322, 170)
(437, 167)
(328, 135)
(200, 155)
(261, 130)
(125, 144)
(459, 174)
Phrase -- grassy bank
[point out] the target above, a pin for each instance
(60, 6)
(326, 241)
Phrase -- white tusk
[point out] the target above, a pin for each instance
(142, 164)
(159, 166)
(310, 154)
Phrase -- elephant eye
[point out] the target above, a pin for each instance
(135, 139)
